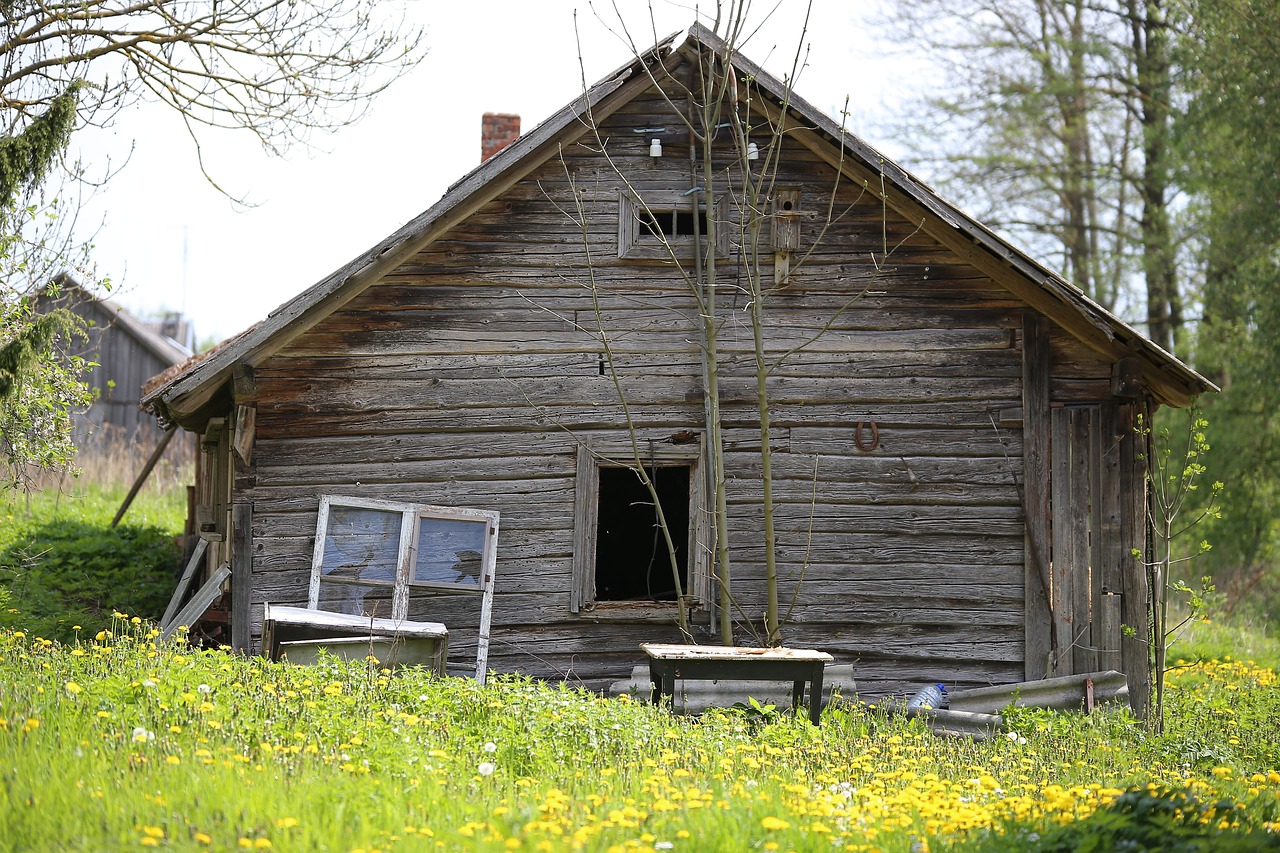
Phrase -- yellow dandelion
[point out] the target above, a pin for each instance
(772, 822)
(74, 688)
(148, 841)
(173, 759)
(202, 838)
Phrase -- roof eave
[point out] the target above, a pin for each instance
(1173, 381)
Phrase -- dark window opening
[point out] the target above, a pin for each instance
(632, 563)
(672, 223)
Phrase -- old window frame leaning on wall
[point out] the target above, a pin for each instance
(619, 454)
(393, 569)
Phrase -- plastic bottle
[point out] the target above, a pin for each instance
(933, 696)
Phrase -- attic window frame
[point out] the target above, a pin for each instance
(636, 240)
(618, 454)
(411, 517)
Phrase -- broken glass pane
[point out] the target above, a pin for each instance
(361, 545)
(356, 599)
(449, 551)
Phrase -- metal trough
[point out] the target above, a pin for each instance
(298, 634)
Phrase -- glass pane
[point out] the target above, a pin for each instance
(449, 551)
(361, 544)
(355, 599)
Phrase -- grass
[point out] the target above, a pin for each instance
(110, 742)
(116, 743)
(62, 565)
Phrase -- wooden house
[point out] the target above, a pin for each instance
(956, 479)
(125, 352)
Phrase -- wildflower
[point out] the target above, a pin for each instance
(772, 822)
(172, 759)
(148, 683)
(73, 688)
(205, 689)
(141, 735)
(491, 747)
(486, 768)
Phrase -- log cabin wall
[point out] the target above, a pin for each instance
(471, 375)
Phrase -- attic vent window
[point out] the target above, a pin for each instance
(673, 223)
(667, 227)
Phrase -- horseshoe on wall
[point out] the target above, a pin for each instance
(867, 447)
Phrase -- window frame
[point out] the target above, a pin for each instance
(633, 245)
(618, 454)
(411, 516)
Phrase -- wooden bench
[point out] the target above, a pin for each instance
(669, 662)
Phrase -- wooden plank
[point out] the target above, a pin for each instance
(184, 582)
(584, 530)
(242, 441)
(1083, 657)
(1062, 542)
(144, 473)
(241, 573)
(1036, 480)
(1135, 641)
(199, 603)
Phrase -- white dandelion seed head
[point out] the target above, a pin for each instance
(486, 768)
(490, 747)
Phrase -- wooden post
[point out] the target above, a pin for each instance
(1036, 480)
(1135, 640)
(146, 472)
(1063, 558)
(1083, 657)
(241, 573)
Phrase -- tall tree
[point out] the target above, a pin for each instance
(1053, 124)
(276, 68)
(1027, 128)
(1229, 136)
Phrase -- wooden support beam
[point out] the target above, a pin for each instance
(241, 573)
(1135, 646)
(1060, 549)
(1083, 658)
(146, 472)
(1035, 482)
(184, 583)
(199, 603)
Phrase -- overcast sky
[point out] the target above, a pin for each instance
(169, 240)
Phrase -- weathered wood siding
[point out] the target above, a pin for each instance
(464, 377)
(122, 364)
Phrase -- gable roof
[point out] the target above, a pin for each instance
(72, 293)
(185, 390)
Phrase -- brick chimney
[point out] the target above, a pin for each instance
(497, 131)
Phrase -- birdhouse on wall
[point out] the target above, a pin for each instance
(786, 231)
